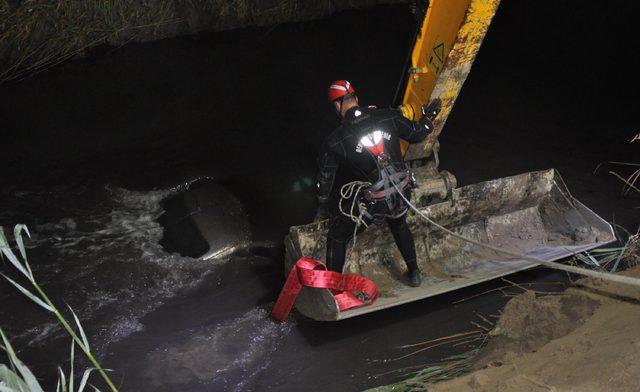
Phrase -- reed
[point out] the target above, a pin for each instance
(19, 375)
(448, 368)
(628, 253)
(612, 258)
(38, 34)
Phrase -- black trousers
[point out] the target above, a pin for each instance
(341, 231)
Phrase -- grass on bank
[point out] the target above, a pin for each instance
(446, 369)
(38, 34)
(611, 259)
(17, 377)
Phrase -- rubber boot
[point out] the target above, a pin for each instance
(415, 277)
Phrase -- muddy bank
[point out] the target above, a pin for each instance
(40, 34)
(584, 339)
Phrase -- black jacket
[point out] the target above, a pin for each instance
(348, 154)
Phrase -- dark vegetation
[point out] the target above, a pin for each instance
(37, 34)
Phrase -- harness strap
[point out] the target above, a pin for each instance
(311, 273)
(390, 183)
(386, 178)
(376, 195)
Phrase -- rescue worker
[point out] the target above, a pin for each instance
(365, 148)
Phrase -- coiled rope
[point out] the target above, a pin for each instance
(551, 264)
(351, 190)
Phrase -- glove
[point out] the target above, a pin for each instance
(431, 110)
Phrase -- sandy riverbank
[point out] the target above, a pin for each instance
(585, 339)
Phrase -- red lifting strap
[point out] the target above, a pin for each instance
(310, 273)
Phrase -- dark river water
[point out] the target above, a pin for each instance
(92, 148)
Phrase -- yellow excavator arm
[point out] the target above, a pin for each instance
(445, 47)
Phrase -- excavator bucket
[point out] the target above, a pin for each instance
(532, 214)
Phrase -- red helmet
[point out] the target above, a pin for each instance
(339, 89)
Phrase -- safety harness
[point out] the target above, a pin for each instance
(384, 190)
(365, 197)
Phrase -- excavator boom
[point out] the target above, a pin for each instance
(445, 48)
